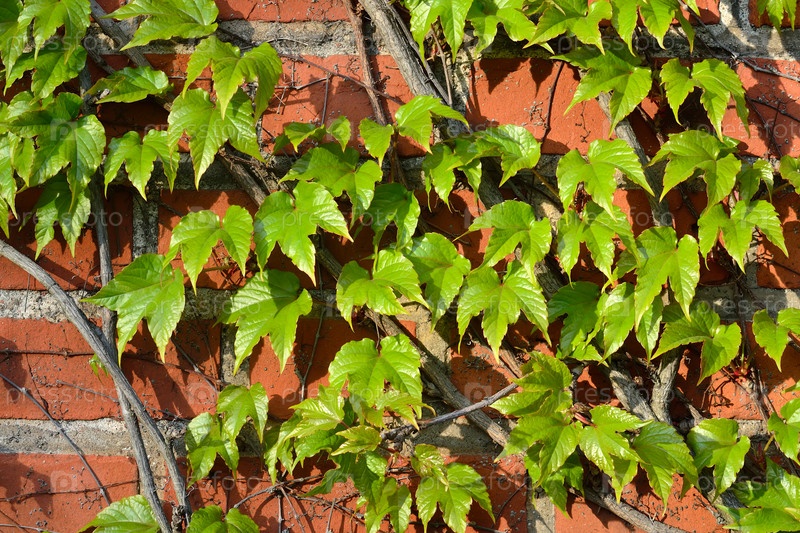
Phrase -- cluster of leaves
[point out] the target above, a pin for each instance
(647, 301)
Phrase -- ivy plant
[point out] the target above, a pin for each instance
(638, 310)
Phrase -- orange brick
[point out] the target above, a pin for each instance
(776, 270)
(297, 101)
(80, 271)
(282, 10)
(57, 492)
(496, 82)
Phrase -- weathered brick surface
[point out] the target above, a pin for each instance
(78, 271)
(57, 492)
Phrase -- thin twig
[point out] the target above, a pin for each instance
(95, 339)
(109, 332)
(551, 93)
(628, 513)
(369, 79)
(402, 431)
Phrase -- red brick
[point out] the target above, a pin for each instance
(344, 97)
(66, 386)
(776, 270)
(776, 92)
(476, 373)
(496, 82)
(174, 387)
(505, 481)
(57, 492)
(690, 513)
(282, 10)
(80, 271)
(726, 393)
(284, 388)
(184, 202)
(709, 12)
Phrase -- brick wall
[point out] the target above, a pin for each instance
(43, 483)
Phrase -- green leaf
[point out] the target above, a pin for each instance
(662, 258)
(13, 38)
(618, 317)
(737, 230)
(451, 13)
(340, 129)
(238, 403)
(392, 274)
(454, 496)
(617, 72)
(570, 474)
(131, 84)
(719, 84)
(770, 506)
(358, 440)
(366, 370)
(205, 439)
(209, 520)
(320, 414)
(579, 302)
(658, 16)
(501, 302)
(128, 515)
(440, 268)
(290, 222)
(56, 205)
(338, 172)
(517, 147)
(787, 428)
(596, 228)
(194, 113)
(270, 303)
(513, 224)
(438, 167)
(139, 156)
(575, 17)
(790, 170)
(51, 67)
(77, 146)
(720, 342)
(376, 138)
(776, 10)
(606, 447)
(414, 119)
(545, 389)
(751, 177)
(298, 132)
(774, 338)
(198, 233)
(148, 288)
(598, 174)
(557, 435)
(770, 336)
(393, 203)
(663, 453)
(49, 15)
(678, 84)
(392, 499)
(715, 443)
(230, 69)
(485, 15)
(169, 18)
(696, 150)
